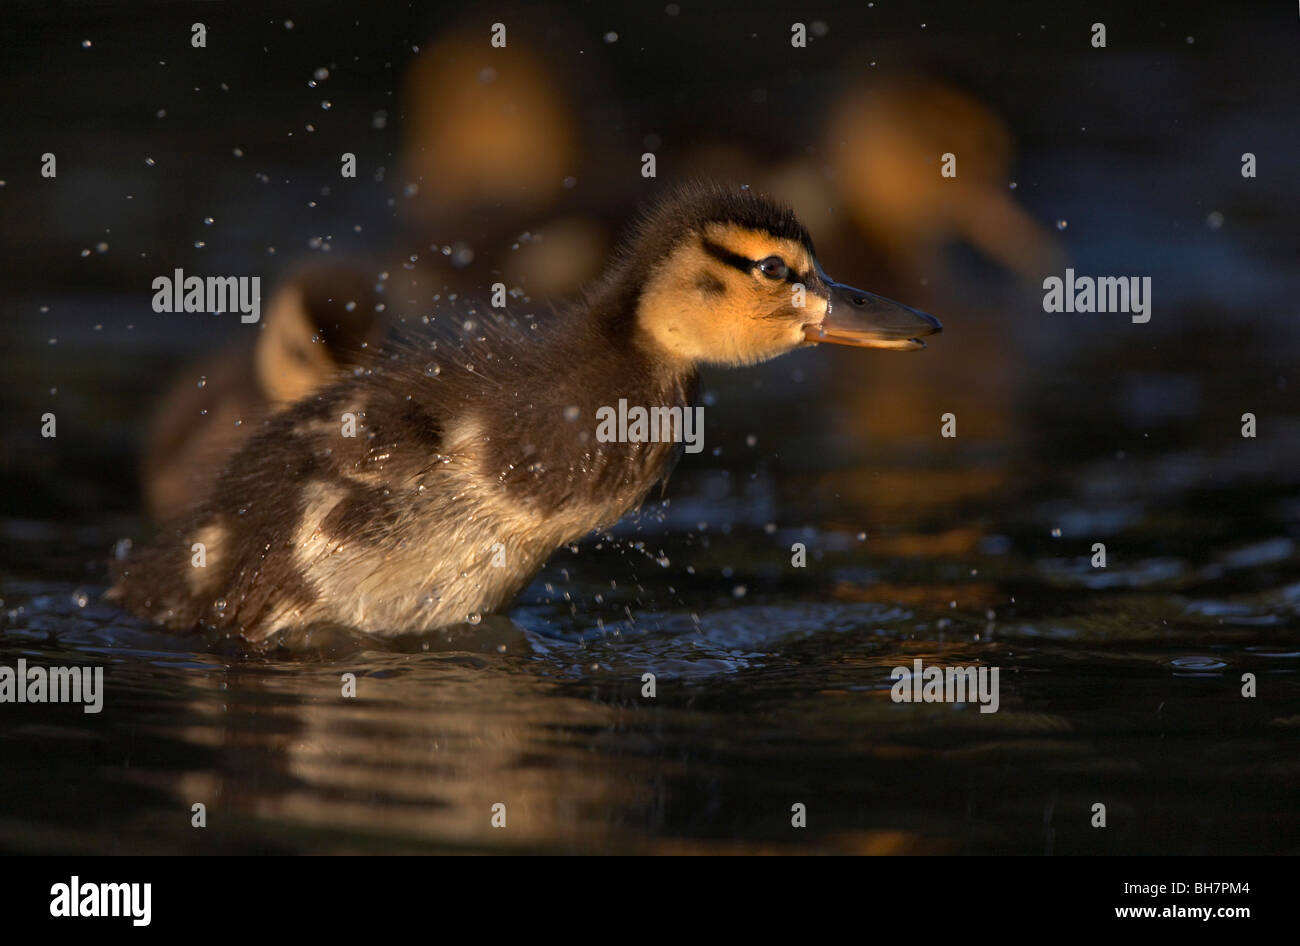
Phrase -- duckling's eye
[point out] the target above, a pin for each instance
(774, 267)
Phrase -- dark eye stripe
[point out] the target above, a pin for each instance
(744, 264)
(724, 255)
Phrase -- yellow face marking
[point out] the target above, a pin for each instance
(697, 308)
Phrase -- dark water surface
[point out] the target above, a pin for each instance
(1120, 686)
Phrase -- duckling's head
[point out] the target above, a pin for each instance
(721, 275)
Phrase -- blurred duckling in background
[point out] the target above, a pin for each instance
(469, 464)
(320, 318)
(488, 130)
(884, 143)
(491, 137)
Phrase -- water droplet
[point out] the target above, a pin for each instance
(475, 618)
(432, 369)
(219, 604)
(203, 381)
(1062, 224)
(327, 105)
(461, 255)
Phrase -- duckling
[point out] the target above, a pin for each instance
(472, 462)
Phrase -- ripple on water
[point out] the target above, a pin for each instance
(1197, 666)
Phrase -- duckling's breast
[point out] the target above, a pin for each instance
(457, 540)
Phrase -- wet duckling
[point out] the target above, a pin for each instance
(472, 462)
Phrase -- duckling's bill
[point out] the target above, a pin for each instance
(862, 319)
